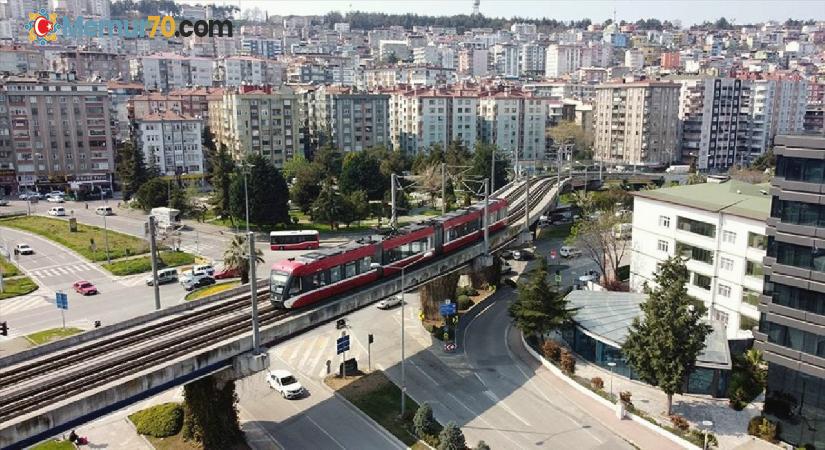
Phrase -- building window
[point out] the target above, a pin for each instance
(728, 237)
(750, 297)
(720, 316)
(756, 240)
(695, 253)
(702, 281)
(754, 269)
(662, 246)
(723, 290)
(696, 227)
(664, 221)
(726, 263)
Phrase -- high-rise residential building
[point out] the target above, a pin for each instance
(506, 60)
(239, 70)
(532, 57)
(634, 59)
(514, 120)
(21, 60)
(263, 47)
(670, 60)
(562, 59)
(637, 123)
(349, 120)
(192, 102)
(421, 118)
(473, 62)
(89, 65)
(165, 72)
(399, 50)
(54, 132)
(262, 120)
(171, 142)
(777, 107)
(719, 228)
(792, 324)
(120, 96)
(715, 122)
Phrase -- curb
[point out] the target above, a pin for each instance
(391, 437)
(604, 402)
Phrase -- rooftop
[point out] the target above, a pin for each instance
(606, 316)
(730, 197)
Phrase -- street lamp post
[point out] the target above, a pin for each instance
(105, 227)
(245, 168)
(253, 288)
(611, 364)
(403, 356)
(707, 425)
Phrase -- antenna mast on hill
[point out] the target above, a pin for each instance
(476, 5)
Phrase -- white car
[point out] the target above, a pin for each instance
(569, 252)
(57, 211)
(389, 302)
(24, 249)
(192, 280)
(55, 199)
(283, 382)
(205, 268)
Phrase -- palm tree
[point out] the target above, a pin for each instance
(236, 257)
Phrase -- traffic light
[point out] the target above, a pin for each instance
(370, 339)
(4, 329)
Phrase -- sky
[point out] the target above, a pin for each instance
(689, 12)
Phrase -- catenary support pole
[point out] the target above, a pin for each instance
(443, 188)
(486, 220)
(394, 214)
(154, 257)
(253, 287)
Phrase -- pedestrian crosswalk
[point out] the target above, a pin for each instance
(132, 281)
(23, 303)
(61, 270)
(309, 355)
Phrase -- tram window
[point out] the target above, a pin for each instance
(350, 270)
(335, 274)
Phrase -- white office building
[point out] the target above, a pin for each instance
(719, 228)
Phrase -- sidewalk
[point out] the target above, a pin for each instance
(729, 426)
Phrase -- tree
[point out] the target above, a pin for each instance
(210, 414)
(307, 186)
(268, 193)
(179, 199)
(328, 207)
(131, 169)
(153, 194)
(663, 344)
(539, 307)
(451, 438)
(765, 161)
(482, 446)
(362, 171)
(222, 167)
(568, 132)
(236, 256)
(295, 165)
(329, 161)
(423, 421)
(391, 161)
(595, 235)
(482, 161)
(356, 207)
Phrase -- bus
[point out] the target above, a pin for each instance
(293, 240)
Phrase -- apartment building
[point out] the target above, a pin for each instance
(719, 227)
(421, 118)
(715, 115)
(120, 96)
(792, 323)
(171, 142)
(21, 60)
(777, 107)
(514, 120)
(634, 59)
(532, 58)
(506, 60)
(398, 49)
(637, 123)
(350, 120)
(263, 120)
(54, 131)
(269, 48)
(473, 62)
(166, 71)
(562, 59)
(90, 65)
(239, 70)
(193, 102)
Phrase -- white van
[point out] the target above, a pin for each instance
(104, 211)
(164, 276)
(57, 211)
(205, 268)
(569, 251)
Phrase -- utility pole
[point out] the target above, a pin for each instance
(154, 257)
(486, 216)
(443, 188)
(527, 203)
(516, 165)
(394, 214)
(246, 194)
(253, 287)
(493, 171)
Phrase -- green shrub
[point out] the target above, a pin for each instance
(451, 438)
(464, 302)
(423, 421)
(469, 291)
(763, 428)
(698, 437)
(159, 421)
(482, 446)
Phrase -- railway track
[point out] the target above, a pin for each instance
(30, 385)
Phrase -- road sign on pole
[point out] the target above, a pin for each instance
(62, 302)
(448, 309)
(342, 344)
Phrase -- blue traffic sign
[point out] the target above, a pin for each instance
(61, 300)
(448, 309)
(342, 344)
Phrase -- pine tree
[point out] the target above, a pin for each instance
(131, 169)
(540, 307)
(222, 167)
(328, 207)
(451, 438)
(663, 345)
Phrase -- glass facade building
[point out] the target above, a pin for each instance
(791, 330)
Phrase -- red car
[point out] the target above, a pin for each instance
(227, 273)
(84, 288)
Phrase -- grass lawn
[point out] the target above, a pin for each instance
(54, 445)
(120, 245)
(379, 398)
(209, 290)
(8, 269)
(144, 264)
(55, 334)
(17, 287)
(556, 231)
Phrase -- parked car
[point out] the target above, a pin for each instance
(4, 202)
(569, 251)
(286, 384)
(522, 255)
(389, 302)
(227, 273)
(206, 268)
(194, 280)
(84, 288)
(589, 276)
(30, 196)
(23, 249)
(104, 211)
(168, 275)
(57, 211)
